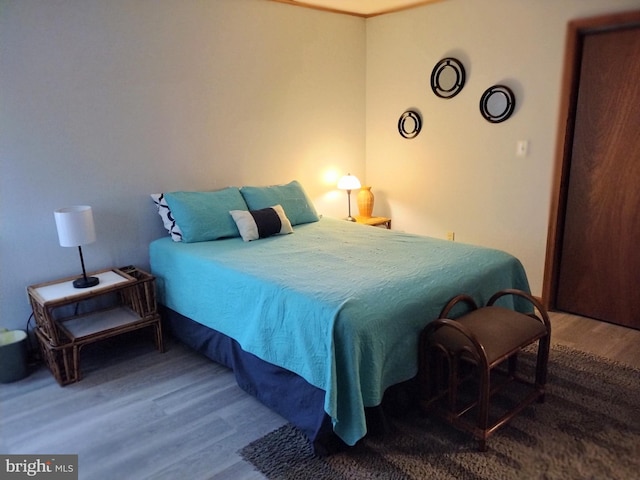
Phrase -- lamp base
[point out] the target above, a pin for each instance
(86, 282)
(350, 219)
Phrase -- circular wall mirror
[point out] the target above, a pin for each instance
(409, 124)
(447, 78)
(497, 103)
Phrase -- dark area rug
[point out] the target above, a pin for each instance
(588, 428)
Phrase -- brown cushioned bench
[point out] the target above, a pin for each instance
(470, 348)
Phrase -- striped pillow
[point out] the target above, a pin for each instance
(263, 223)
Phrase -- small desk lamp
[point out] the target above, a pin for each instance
(76, 228)
(348, 183)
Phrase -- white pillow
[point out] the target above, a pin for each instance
(255, 224)
(167, 219)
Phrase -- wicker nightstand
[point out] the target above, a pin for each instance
(127, 302)
(374, 221)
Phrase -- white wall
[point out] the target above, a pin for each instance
(104, 102)
(461, 173)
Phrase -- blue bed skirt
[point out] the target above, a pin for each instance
(283, 391)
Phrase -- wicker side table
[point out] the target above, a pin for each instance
(123, 301)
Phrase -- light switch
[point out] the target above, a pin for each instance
(522, 148)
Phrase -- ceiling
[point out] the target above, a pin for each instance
(363, 8)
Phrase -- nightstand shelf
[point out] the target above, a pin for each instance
(374, 221)
(130, 295)
(99, 323)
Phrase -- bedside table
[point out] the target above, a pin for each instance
(127, 302)
(374, 221)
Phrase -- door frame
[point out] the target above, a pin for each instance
(577, 30)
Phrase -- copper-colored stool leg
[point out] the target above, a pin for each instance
(453, 382)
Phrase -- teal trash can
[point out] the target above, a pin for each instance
(13, 355)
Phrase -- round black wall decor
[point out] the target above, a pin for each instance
(497, 103)
(409, 124)
(447, 78)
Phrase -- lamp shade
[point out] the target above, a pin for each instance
(75, 226)
(349, 182)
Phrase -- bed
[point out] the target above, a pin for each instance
(319, 323)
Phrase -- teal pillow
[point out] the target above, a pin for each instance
(204, 216)
(297, 206)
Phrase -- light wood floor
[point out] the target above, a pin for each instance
(138, 414)
(600, 338)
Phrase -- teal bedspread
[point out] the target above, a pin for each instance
(338, 303)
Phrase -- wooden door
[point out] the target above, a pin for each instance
(599, 260)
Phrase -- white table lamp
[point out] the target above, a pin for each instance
(349, 182)
(76, 228)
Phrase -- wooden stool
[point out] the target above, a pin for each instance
(474, 345)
